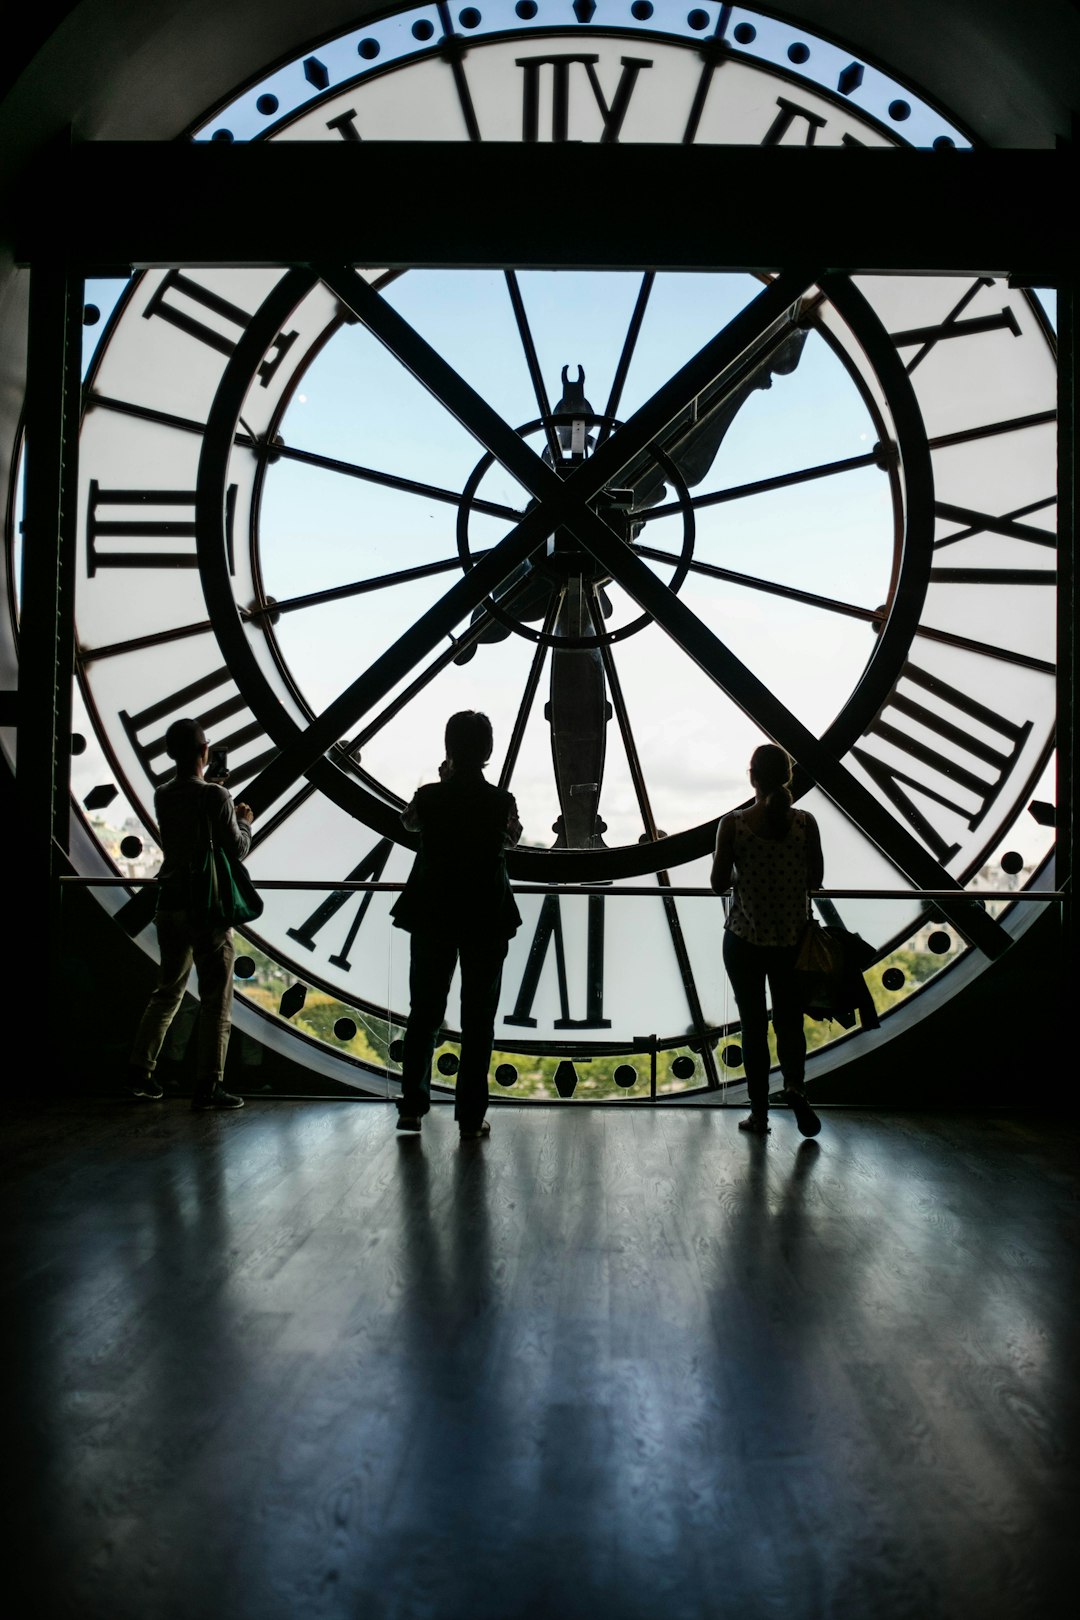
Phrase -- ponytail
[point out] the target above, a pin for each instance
(770, 768)
(777, 805)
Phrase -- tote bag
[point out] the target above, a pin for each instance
(222, 893)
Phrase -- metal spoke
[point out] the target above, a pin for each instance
(536, 669)
(629, 345)
(409, 486)
(533, 363)
(763, 486)
(874, 616)
(829, 603)
(114, 649)
(309, 458)
(338, 593)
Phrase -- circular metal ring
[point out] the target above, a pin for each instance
(607, 637)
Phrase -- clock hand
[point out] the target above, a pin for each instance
(578, 712)
(559, 501)
(692, 442)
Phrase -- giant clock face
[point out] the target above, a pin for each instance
(643, 521)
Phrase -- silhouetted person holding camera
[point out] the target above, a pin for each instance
(188, 809)
(458, 908)
(769, 857)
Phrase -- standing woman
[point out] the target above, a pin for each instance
(189, 809)
(769, 857)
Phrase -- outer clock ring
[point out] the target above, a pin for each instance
(345, 786)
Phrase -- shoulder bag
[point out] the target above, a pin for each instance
(222, 894)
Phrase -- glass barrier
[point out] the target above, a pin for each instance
(610, 995)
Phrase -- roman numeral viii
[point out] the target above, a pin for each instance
(549, 931)
(960, 769)
(146, 528)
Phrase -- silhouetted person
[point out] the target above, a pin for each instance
(769, 856)
(458, 908)
(187, 808)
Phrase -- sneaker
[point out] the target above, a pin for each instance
(756, 1124)
(473, 1133)
(408, 1122)
(805, 1118)
(142, 1084)
(218, 1097)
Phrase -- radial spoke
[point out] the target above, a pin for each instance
(339, 593)
(830, 604)
(409, 486)
(309, 458)
(850, 610)
(762, 486)
(533, 363)
(629, 345)
(115, 649)
(536, 668)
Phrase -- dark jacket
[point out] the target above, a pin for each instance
(458, 884)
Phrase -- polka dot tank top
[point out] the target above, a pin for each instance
(768, 894)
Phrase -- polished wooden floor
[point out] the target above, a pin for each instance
(284, 1363)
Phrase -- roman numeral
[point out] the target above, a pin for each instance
(789, 112)
(971, 766)
(216, 704)
(345, 125)
(927, 337)
(185, 304)
(148, 541)
(1007, 524)
(613, 115)
(369, 870)
(549, 929)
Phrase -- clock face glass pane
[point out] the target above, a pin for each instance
(851, 507)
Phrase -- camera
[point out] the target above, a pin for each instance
(217, 766)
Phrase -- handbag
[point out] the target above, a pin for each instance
(829, 968)
(221, 893)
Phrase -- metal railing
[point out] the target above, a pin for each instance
(677, 891)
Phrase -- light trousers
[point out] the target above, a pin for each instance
(211, 950)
